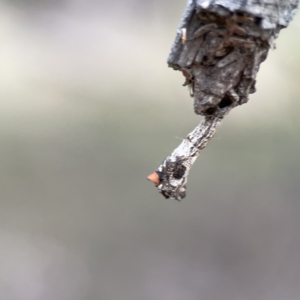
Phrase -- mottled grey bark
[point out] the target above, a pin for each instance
(219, 47)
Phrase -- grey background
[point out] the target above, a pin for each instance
(88, 110)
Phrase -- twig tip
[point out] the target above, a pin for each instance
(154, 178)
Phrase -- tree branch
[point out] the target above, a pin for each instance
(219, 47)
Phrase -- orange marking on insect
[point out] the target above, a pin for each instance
(154, 178)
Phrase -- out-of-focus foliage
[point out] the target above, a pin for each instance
(88, 110)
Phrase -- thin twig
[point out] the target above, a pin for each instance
(171, 177)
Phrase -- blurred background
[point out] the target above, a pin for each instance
(88, 109)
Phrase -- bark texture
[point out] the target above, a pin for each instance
(219, 47)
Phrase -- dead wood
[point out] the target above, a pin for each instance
(219, 47)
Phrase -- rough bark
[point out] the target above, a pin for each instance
(219, 47)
